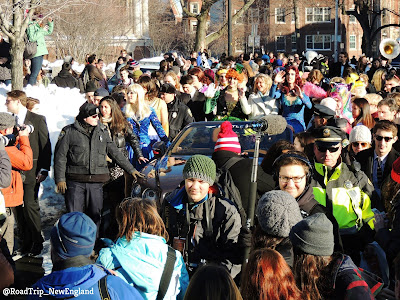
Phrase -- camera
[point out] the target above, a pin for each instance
(8, 140)
(23, 127)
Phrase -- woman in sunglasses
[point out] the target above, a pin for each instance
(360, 139)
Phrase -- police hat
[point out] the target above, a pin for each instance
(328, 134)
(323, 111)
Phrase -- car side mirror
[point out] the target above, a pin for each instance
(159, 149)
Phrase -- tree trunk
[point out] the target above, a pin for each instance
(201, 31)
(17, 60)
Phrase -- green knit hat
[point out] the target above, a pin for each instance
(200, 167)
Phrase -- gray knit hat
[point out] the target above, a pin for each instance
(277, 213)
(313, 235)
(360, 133)
(6, 120)
(200, 167)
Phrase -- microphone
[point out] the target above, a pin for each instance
(271, 125)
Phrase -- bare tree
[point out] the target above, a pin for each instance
(13, 23)
(90, 27)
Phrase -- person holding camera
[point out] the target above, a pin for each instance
(28, 216)
(21, 158)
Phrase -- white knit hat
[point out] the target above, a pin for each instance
(329, 102)
(360, 133)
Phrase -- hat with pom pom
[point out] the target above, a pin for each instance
(227, 139)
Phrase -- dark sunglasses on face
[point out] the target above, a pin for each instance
(324, 149)
(356, 144)
(380, 138)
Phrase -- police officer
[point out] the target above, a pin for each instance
(179, 115)
(344, 190)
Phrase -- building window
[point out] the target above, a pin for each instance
(318, 42)
(318, 14)
(294, 17)
(279, 15)
(193, 26)
(294, 45)
(194, 8)
(352, 42)
(280, 43)
(352, 19)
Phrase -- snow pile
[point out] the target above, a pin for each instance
(59, 106)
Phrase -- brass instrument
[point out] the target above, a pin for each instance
(389, 48)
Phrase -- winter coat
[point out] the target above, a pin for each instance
(220, 244)
(21, 160)
(349, 282)
(141, 263)
(83, 278)
(259, 105)
(79, 152)
(7, 266)
(240, 172)
(389, 240)
(179, 115)
(265, 182)
(5, 69)
(36, 34)
(5, 168)
(65, 79)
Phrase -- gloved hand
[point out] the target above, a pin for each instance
(244, 239)
(61, 187)
(137, 174)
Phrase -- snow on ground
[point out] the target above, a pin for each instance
(59, 106)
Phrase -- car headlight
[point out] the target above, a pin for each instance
(136, 190)
(150, 194)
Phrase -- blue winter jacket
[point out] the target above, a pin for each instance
(141, 262)
(81, 280)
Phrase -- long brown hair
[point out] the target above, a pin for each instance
(365, 116)
(118, 122)
(312, 275)
(212, 282)
(135, 214)
(151, 88)
(260, 239)
(268, 276)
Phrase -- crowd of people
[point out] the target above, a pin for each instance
(327, 203)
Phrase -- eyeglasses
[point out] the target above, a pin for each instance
(286, 179)
(324, 149)
(380, 138)
(356, 144)
(95, 116)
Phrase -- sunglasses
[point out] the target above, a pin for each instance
(95, 116)
(356, 144)
(380, 138)
(324, 149)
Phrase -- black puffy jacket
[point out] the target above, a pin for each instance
(79, 151)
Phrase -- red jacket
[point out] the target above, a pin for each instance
(21, 159)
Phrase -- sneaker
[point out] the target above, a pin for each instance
(36, 249)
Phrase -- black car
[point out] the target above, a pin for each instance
(164, 174)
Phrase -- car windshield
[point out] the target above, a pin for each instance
(201, 139)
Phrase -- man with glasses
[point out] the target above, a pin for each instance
(80, 165)
(377, 161)
(343, 190)
(387, 110)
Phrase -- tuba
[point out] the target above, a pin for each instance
(389, 48)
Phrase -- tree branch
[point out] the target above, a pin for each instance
(187, 12)
(217, 34)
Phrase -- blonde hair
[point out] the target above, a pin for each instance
(373, 99)
(377, 80)
(266, 79)
(337, 80)
(140, 109)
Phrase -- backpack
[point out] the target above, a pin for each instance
(30, 48)
(228, 188)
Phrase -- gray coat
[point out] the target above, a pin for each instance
(80, 152)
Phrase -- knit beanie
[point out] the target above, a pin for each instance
(200, 167)
(313, 235)
(360, 133)
(395, 174)
(227, 139)
(6, 120)
(74, 234)
(277, 212)
(136, 74)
